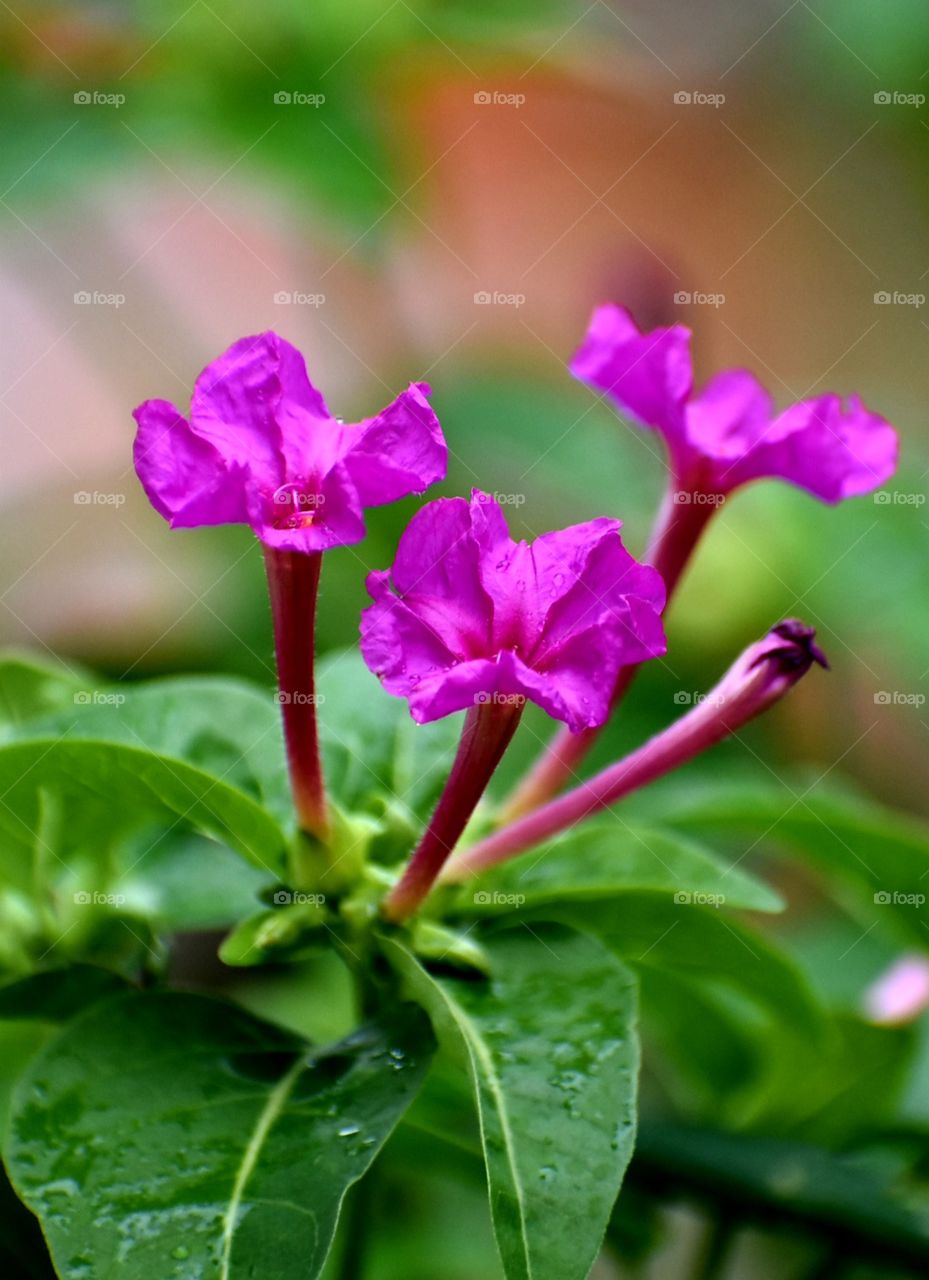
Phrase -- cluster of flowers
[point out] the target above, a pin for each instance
(469, 619)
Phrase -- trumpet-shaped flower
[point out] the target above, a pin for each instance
(467, 615)
(729, 433)
(261, 448)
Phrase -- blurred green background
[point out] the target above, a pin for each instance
(354, 176)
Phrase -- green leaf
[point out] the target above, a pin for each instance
(31, 687)
(58, 994)
(186, 882)
(551, 1048)
(173, 1135)
(708, 1058)
(880, 858)
(377, 759)
(858, 1200)
(651, 929)
(68, 802)
(226, 728)
(604, 859)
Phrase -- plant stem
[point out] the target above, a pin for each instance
(713, 1252)
(762, 674)
(293, 584)
(488, 730)
(684, 515)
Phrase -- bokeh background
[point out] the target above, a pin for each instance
(363, 177)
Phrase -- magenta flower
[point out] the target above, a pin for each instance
(728, 433)
(474, 616)
(261, 448)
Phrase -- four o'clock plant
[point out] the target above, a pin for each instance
(718, 439)
(468, 619)
(261, 448)
(507, 940)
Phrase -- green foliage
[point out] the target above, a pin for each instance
(550, 1046)
(206, 1142)
(173, 1135)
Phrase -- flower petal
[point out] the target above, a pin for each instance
(832, 450)
(397, 644)
(256, 405)
(398, 452)
(437, 572)
(606, 584)
(649, 376)
(186, 480)
(729, 417)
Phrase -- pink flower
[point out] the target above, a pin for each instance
(901, 994)
(467, 615)
(261, 448)
(728, 433)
